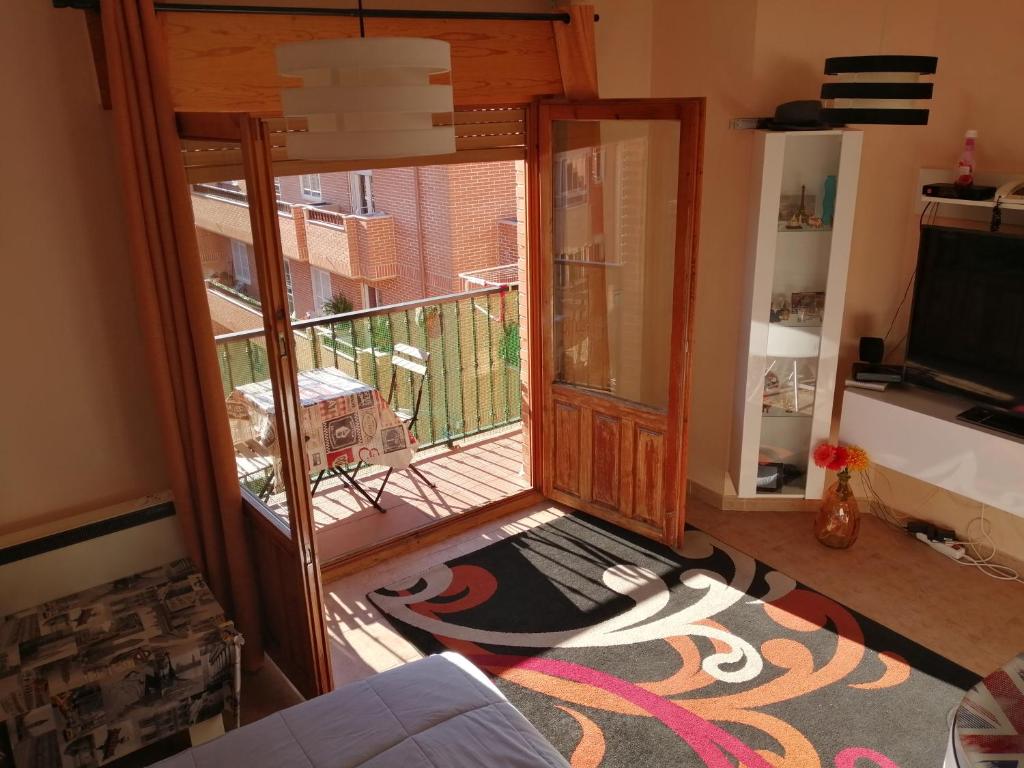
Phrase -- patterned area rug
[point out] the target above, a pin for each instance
(626, 654)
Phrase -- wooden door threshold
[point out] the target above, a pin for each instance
(427, 535)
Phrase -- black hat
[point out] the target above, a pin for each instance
(796, 116)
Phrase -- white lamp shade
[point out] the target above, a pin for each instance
(367, 98)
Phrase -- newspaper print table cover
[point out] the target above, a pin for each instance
(88, 678)
(343, 420)
(988, 731)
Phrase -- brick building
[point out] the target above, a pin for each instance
(376, 237)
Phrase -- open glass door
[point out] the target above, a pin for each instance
(373, 311)
(619, 191)
(248, 297)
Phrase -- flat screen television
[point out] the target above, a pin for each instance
(967, 321)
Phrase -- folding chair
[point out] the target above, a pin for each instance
(252, 458)
(405, 357)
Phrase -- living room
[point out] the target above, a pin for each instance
(543, 593)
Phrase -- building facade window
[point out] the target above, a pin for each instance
(362, 192)
(322, 292)
(371, 297)
(289, 288)
(309, 184)
(571, 178)
(277, 188)
(240, 262)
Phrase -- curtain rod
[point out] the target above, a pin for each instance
(378, 13)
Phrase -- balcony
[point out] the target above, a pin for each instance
(361, 247)
(469, 423)
(231, 309)
(226, 212)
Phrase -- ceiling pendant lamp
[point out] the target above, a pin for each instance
(877, 89)
(368, 98)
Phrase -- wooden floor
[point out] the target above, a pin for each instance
(473, 473)
(975, 621)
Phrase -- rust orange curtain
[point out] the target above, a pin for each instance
(174, 317)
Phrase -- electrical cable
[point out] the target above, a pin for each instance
(896, 347)
(878, 506)
(910, 282)
(972, 557)
(984, 562)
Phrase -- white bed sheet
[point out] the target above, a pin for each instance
(438, 712)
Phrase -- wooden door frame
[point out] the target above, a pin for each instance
(297, 544)
(690, 114)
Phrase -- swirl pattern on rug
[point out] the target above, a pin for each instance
(625, 653)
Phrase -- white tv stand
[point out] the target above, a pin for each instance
(915, 431)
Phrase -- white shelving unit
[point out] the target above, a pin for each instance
(788, 358)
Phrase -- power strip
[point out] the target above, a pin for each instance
(954, 550)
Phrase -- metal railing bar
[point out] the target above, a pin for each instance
(363, 313)
(458, 357)
(490, 360)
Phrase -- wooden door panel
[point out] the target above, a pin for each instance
(566, 459)
(627, 467)
(649, 472)
(603, 451)
(282, 596)
(604, 459)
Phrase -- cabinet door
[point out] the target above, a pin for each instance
(618, 186)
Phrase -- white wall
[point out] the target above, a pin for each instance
(78, 430)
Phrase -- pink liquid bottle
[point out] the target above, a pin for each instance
(963, 175)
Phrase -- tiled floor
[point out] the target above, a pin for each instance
(957, 612)
(474, 473)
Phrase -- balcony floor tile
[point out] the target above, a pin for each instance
(477, 471)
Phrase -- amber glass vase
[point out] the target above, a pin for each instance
(838, 520)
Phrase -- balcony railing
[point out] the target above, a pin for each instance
(490, 277)
(473, 380)
(324, 216)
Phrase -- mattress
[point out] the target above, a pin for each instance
(438, 712)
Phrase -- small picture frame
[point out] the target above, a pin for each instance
(799, 207)
(807, 305)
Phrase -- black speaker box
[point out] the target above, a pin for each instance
(872, 349)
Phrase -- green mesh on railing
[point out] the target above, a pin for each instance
(473, 377)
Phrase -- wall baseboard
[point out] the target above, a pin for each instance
(731, 503)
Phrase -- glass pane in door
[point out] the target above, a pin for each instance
(234, 295)
(614, 187)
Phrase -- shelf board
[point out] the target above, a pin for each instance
(796, 324)
(787, 230)
(1005, 205)
(786, 415)
(789, 491)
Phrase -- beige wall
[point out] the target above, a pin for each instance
(746, 56)
(80, 435)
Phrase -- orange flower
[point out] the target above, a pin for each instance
(857, 458)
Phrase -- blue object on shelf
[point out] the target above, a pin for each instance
(828, 201)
